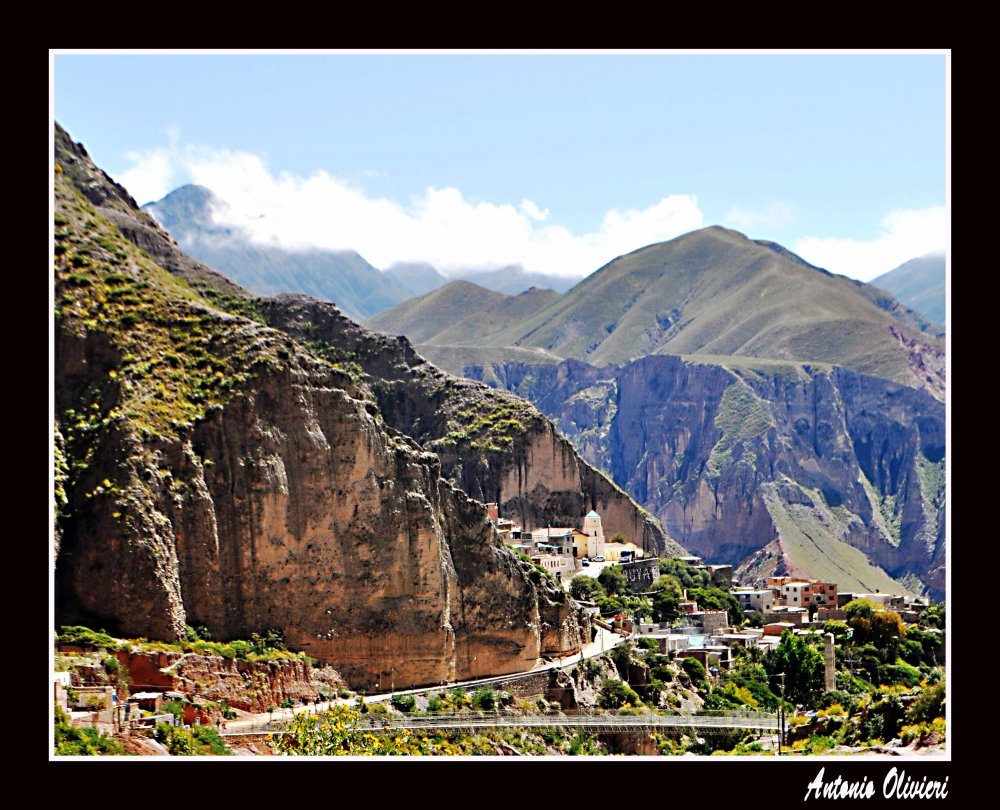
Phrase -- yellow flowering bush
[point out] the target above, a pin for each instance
(341, 732)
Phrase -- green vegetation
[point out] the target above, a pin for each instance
(87, 638)
(269, 647)
(771, 306)
(718, 599)
(617, 694)
(484, 699)
(198, 741)
(586, 588)
(802, 664)
(612, 579)
(71, 741)
(695, 670)
(404, 703)
(918, 284)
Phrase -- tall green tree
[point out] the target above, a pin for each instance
(802, 664)
(586, 588)
(613, 580)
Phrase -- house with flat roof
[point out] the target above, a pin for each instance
(752, 599)
(561, 538)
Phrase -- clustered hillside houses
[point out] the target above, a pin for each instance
(564, 551)
(777, 604)
(786, 603)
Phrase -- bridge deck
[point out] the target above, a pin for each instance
(606, 721)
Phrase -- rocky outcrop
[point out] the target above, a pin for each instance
(244, 685)
(495, 447)
(221, 474)
(778, 467)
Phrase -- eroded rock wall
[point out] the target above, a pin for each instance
(776, 468)
(535, 474)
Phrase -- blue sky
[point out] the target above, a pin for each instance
(560, 162)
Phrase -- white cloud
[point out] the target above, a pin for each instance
(777, 215)
(905, 234)
(440, 227)
(530, 209)
(151, 175)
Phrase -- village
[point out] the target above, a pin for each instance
(779, 603)
(137, 689)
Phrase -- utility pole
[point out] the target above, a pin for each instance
(781, 712)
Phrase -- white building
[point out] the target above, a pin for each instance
(755, 599)
(592, 528)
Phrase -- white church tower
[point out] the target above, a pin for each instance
(592, 528)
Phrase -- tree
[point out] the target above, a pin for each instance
(685, 574)
(586, 588)
(886, 629)
(668, 583)
(812, 608)
(859, 618)
(695, 671)
(610, 605)
(928, 706)
(933, 616)
(666, 606)
(618, 537)
(718, 599)
(756, 619)
(802, 664)
(612, 579)
(615, 694)
(860, 608)
(840, 631)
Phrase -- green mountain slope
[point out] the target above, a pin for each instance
(460, 314)
(342, 277)
(715, 292)
(919, 284)
(514, 280)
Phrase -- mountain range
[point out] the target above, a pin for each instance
(712, 393)
(709, 293)
(919, 284)
(359, 289)
(768, 412)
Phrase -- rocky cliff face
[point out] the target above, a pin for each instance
(778, 467)
(248, 686)
(222, 474)
(495, 447)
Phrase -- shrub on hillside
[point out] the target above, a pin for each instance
(404, 703)
(929, 705)
(695, 670)
(484, 699)
(71, 741)
(615, 694)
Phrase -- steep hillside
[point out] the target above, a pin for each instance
(715, 292)
(214, 471)
(919, 284)
(420, 319)
(814, 470)
(344, 277)
(460, 314)
(495, 446)
(416, 278)
(514, 280)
